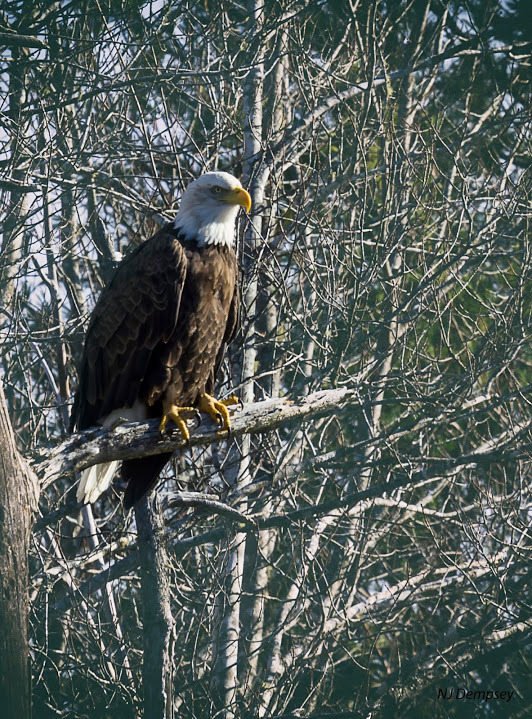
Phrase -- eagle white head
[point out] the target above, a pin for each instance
(209, 208)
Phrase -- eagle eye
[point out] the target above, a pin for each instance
(216, 189)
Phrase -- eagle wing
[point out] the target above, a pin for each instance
(135, 312)
(231, 329)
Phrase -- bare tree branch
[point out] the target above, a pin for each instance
(138, 439)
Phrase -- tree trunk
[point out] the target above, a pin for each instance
(228, 638)
(15, 219)
(158, 623)
(18, 495)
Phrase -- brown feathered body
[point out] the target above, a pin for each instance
(157, 334)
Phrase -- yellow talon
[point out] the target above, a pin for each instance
(230, 401)
(217, 409)
(178, 415)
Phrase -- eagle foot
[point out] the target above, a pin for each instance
(217, 409)
(179, 415)
(232, 402)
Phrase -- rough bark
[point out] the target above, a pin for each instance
(18, 495)
(139, 439)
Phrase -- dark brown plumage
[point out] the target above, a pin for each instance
(156, 339)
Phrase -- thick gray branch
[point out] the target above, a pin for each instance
(139, 439)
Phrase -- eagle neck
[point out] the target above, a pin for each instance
(219, 232)
(191, 245)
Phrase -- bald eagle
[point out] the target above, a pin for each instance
(157, 335)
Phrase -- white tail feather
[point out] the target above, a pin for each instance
(95, 480)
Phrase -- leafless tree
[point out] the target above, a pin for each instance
(354, 562)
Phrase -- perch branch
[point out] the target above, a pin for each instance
(139, 439)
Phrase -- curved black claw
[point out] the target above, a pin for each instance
(197, 417)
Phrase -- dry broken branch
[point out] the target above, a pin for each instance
(138, 439)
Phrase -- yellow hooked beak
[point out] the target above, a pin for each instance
(238, 196)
